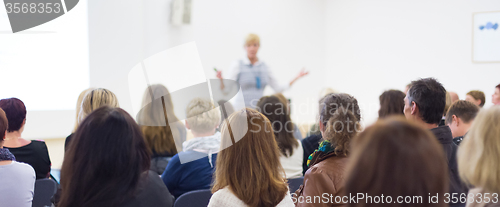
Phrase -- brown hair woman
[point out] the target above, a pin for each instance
(248, 172)
(399, 160)
(391, 103)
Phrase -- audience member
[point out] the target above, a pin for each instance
(454, 96)
(78, 109)
(92, 100)
(296, 130)
(34, 153)
(187, 171)
(291, 156)
(114, 170)
(446, 107)
(163, 138)
(495, 98)
(17, 179)
(314, 130)
(476, 97)
(396, 158)
(478, 159)
(248, 171)
(339, 123)
(459, 118)
(424, 104)
(391, 103)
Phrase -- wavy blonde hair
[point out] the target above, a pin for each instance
(479, 152)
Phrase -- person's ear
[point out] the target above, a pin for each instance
(414, 108)
(455, 120)
(187, 125)
(478, 102)
(321, 127)
(24, 122)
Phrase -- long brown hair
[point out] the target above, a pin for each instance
(155, 120)
(395, 158)
(277, 113)
(105, 160)
(391, 103)
(250, 167)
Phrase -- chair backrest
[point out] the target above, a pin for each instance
(294, 183)
(196, 198)
(44, 190)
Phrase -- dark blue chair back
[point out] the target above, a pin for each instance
(44, 190)
(196, 198)
(294, 183)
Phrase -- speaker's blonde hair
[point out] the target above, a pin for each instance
(251, 39)
(94, 99)
(202, 117)
(479, 152)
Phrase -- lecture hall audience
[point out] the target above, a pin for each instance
(115, 168)
(163, 138)
(17, 180)
(92, 100)
(192, 168)
(477, 97)
(424, 105)
(459, 118)
(391, 103)
(248, 171)
(394, 157)
(478, 159)
(339, 123)
(32, 152)
(291, 151)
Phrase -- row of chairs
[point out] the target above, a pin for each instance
(200, 198)
(46, 188)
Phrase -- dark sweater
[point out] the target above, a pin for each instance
(443, 134)
(36, 155)
(309, 144)
(195, 175)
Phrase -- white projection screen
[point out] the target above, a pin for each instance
(47, 67)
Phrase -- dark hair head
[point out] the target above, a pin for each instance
(478, 95)
(340, 115)
(391, 103)
(462, 109)
(104, 161)
(15, 111)
(395, 158)
(276, 111)
(498, 86)
(4, 124)
(430, 97)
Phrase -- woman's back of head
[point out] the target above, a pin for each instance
(340, 116)
(96, 98)
(276, 111)
(15, 111)
(157, 121)
(105, 160)
(391, 103)
(395, 158)
(478, 153)
(249, 162)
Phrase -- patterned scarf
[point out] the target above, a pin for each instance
(5, 154)
(325, 147)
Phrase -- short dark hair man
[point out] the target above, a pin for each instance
(459, 118)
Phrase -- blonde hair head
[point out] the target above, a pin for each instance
(251, 39)
(202, 117)
(479, 152)
(95, 99)
(79, 106)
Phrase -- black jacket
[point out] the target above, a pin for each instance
(443, 134)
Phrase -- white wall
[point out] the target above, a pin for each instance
(292, 36)
(373, 46)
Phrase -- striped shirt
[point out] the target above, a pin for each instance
(248, 77)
